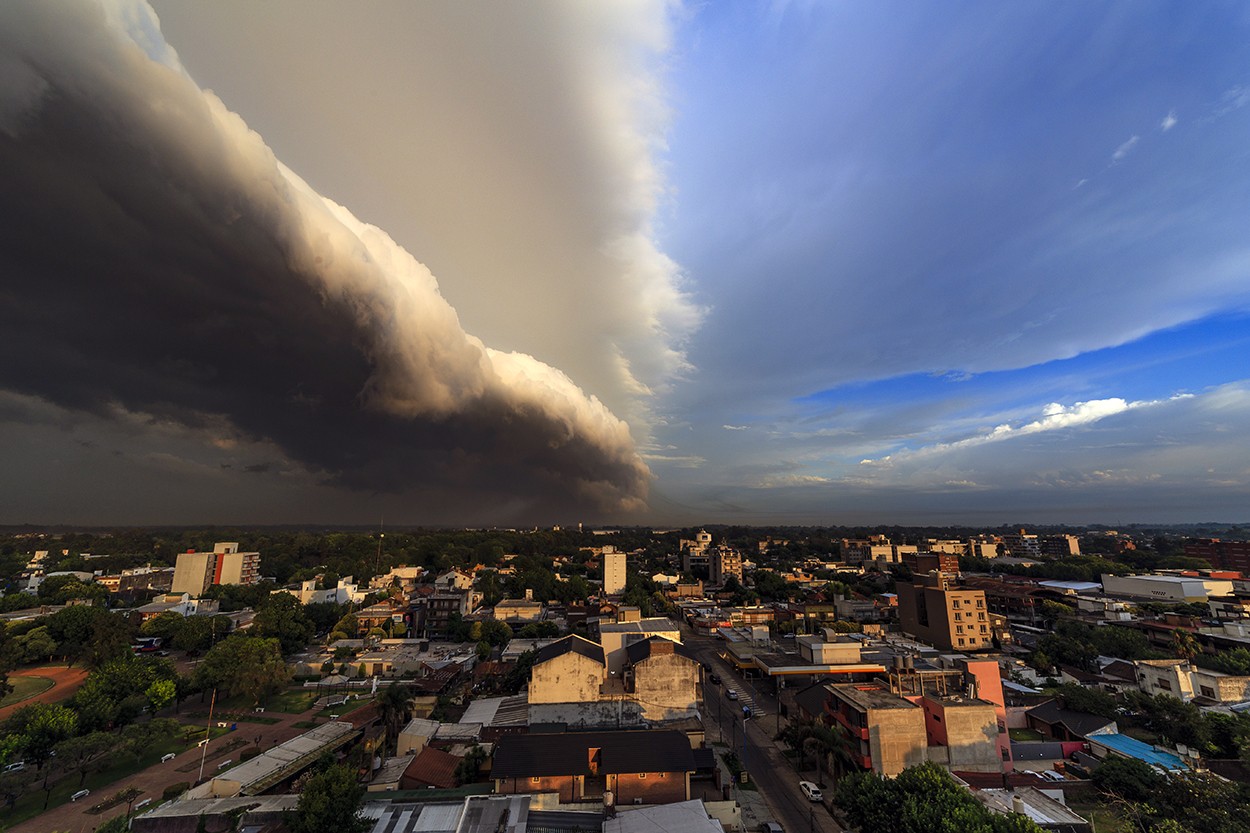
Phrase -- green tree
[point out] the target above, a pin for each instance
(244, 665)
(1184, 645)
(282, 617)
(42, 726)
(160, 694)
(395, 710)
(1127, 778)
(81, 754)
(37, 645)
(330, 801)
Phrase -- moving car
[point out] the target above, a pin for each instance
(731, 694)
(714, 680)
(771, 827)
(811, 791)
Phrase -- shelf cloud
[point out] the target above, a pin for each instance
(160, 260)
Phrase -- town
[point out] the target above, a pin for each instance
(721, 679)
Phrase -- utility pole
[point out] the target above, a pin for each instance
(208, 733)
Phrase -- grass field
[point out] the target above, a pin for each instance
(1022, 735)
(25, 688)
(343, 708)
(291, 701)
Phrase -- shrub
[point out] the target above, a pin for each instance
(175, 790)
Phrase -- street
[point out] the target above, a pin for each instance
(772, 772)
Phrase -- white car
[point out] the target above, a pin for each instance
(731, 694)
(811, 791)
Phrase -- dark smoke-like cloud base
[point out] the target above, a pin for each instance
(157, 256)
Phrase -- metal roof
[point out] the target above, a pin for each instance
(527, 756)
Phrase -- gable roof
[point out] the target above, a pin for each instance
(1078, 723)
(434, 767)
(568, 753)
(570, 644)
(638, 651)
(1122, 670)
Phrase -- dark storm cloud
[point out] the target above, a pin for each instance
(158, 260)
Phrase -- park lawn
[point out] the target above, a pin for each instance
(291, 701)
(344, 708)
(1024, 735)
(25, 688)
(122, 766)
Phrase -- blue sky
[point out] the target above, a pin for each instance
(913, 223)
(819, 262)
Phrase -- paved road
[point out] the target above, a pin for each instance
(772, 772)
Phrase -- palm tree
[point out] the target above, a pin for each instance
(1184, 645)
(395, 709)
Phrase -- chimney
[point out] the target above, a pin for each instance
(1017, 804)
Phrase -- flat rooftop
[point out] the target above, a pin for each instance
(285, 759)
(1039, 807)
(871, 697)
(652, 625)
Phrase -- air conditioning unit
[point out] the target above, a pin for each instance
(637, 800)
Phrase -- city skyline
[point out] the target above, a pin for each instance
(638, 262)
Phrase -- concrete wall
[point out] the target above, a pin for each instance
(666, 687)
(567, 678)
(896, 740)
(566, 786)
(969, 731)
(651, 787)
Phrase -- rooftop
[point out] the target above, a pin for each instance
(655, 624)
(1039, 807)
(285, 759)
(536, 755)
(870, 696)
(570, 644)
(681, 817)
(1133, 748)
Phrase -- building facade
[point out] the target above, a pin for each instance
(944, 615)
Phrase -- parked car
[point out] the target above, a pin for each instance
(771, 827)
(17, 766)
(80, 794)
(707, 666)
(731, 694)
(746, 712)
(811, 791)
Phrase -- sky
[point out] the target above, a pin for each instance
(624, 262)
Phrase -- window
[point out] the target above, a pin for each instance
(955, 604)
(535, 779)
(1166, 685)
(642, 775)
(984, 629)
(961, 641)
(981, 617)
(959, 629)
(980, 603)
(959, 617)
(1206, 691)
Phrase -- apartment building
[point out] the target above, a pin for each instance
(724, 562)
(944, 615)
(614, 575)
(889, 731)
(1222, 555)
(195, 572)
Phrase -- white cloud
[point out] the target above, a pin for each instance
(1054, 417)
(1124, 149)
(1169, 121)
(735, 427)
